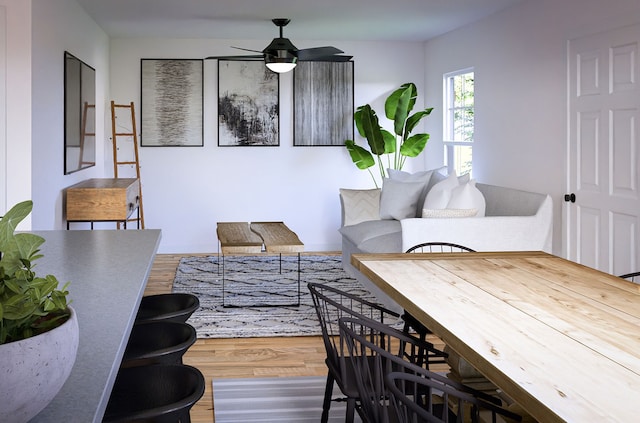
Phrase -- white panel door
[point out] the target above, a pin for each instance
(603, 199)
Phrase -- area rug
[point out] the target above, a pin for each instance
(286, 399)
(253, 280)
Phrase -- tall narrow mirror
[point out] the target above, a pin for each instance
(79, 114)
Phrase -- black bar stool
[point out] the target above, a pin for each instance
(155, 394)
(158, 342)
(175, 307)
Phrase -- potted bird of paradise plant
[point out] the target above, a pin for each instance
(389, 149)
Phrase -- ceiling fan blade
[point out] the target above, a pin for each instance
(247, 49)
(335, 58)
(315, 52)
(247, 57)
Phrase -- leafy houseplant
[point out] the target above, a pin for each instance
(29, 305)
(396, 146)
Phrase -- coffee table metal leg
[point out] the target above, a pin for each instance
(298, 279)
(223, 304)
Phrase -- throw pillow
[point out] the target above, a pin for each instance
(439, 174)
(359, 205)
(438, 197)
(467, 196)
(399, 200)
(448, 213)
(424, 177)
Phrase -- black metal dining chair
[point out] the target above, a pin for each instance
(331, 304)
(633, 277)
(377, 351)
(419, 396)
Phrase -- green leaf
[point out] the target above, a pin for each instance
(361, 157)
(12, 218)
(399, 104)
(414, 145)
(389, 142)
(371, 129)
(357, 118)
(19, 251)
(414, 119)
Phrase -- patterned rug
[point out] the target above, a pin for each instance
(252, 281)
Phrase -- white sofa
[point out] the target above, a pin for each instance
(514, 220)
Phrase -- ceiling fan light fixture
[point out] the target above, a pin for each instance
(282, 64)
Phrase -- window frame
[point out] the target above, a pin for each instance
(448, 119)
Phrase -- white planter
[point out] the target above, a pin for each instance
(33, 370)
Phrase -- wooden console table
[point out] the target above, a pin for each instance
(103, 200)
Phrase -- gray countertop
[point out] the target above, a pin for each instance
(108, 272)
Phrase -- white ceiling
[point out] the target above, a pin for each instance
(358, 20)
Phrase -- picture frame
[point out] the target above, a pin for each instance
(79, 114)
(248, 104)
(171, 101)
(323, 103)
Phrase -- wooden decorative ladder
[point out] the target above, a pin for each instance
(125, 138)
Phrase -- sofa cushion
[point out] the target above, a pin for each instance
(467, 196)
(424, 177)
(359, 205)
(439, 196)
(502, 201)
(387, 243)
(398, 199)
(449, 213)
(372, 230)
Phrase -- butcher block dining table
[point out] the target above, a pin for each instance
(559, 338)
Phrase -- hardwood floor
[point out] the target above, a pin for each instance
(239, 357)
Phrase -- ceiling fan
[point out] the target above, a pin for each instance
(281, 55)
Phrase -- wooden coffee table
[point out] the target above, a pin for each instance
(257, 238)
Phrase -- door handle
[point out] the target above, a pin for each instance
(570, 198)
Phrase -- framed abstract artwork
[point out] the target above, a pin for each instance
(172, 102)
(248, 104)
(322, 103)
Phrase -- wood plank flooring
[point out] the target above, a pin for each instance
(240, 357)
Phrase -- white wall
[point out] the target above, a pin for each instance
(59, 26)
(15, 144)
(519, 57)
(186, 190)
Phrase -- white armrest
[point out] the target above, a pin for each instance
(491, 233)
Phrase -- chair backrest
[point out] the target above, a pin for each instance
(417, 396)
(375, 350)
(158, 393)
(175, 307)
(331, 304)
(430, 247)
(633, 277)
(158, 342)
(439, 247)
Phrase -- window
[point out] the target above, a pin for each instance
(458, 120)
